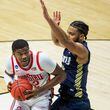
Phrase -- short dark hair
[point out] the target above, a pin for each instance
(81, 26)
(19, 44)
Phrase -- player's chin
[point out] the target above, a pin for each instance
(24, 63)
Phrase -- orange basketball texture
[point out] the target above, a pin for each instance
(18, 88)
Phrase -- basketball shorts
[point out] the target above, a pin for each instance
(38, 103)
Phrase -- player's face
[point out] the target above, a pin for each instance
(22, 56)
(73, 34)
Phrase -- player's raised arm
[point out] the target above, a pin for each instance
(77, 48)
(59, 33)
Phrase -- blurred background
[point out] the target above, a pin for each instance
(23, 18)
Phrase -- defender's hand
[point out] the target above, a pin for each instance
(57, 17)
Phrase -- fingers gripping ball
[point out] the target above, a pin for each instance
(18, 88)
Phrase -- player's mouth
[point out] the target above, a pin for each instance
(25, 61)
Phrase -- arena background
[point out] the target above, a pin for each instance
(24, 19)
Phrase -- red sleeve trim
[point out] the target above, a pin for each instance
(37, 60)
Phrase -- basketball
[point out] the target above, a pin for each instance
(18, 88)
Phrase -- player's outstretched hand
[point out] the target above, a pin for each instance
(57, 17)
(9, 86)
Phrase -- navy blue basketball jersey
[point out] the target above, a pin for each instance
(76, 74)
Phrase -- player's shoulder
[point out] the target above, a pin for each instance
(40, 55)
(34, 52)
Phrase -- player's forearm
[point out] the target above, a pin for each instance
(53, 82)
(57, 32)
(54, 39)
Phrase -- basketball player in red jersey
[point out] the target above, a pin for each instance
(36, 67)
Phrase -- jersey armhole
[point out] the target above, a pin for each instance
(37, 61)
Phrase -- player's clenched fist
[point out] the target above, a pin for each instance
(31, 93)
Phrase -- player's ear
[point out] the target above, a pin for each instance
(82, 37)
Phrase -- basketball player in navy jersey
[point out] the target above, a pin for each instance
(75, 61)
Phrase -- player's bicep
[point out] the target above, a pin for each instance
(59, 74)
(58, 71)
(77, 48)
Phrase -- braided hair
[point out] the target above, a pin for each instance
(82, 27)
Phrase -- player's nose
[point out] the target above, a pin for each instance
(24, 56)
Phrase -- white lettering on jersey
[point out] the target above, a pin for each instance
(66, 60)
(34, 79)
